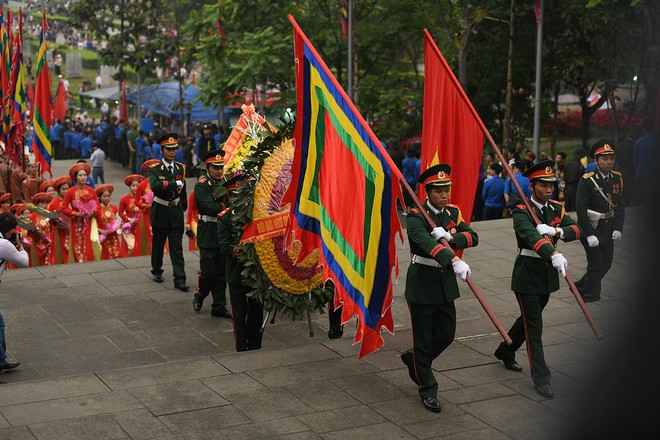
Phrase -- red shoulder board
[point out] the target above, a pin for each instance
(223, 212)
(523, 207)
(415, 210)
(202, 179)
(557, 202)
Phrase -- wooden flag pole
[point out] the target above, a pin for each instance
(470, 282)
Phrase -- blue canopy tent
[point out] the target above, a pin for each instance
(163, 99)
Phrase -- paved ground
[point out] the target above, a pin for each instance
(109, 354)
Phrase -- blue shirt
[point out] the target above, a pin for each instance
(493, 192)
(410, 170)
(178, 157)
(645, 151)
(140, 145)
(155, 151)
(75, 141)
(86, 146)
(55, 132)
(90, 182)
(591, 167)
(522, 181)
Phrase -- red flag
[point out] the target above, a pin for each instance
(452, 131)
(59, 109)
(124, 103)
(537, 11)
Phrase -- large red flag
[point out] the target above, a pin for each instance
(59, 109)
(452, 131)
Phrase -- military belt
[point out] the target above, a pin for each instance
(425, 261)
(528, 253)
(167, 203)
(208, 218)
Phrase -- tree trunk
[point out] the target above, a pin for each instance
(506, 125)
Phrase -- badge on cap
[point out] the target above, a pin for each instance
(442, 175)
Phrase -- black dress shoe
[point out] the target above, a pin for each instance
(432, 404)
(9, 365)
(545, 390)
(336, 332)
(406, 358)
(222, 313)
(509, 362)
(157, 277)
(197, 304)
(182, 286)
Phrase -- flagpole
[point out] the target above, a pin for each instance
(475, 289)
(537, 97)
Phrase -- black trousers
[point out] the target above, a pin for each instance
(433, 330)
(212, 277)
(493, 212)
(247, 315)
(599, 261)
(529, 328)
(174, 237)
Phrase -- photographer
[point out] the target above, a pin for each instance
(11, 249)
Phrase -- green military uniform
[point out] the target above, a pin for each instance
(534, 277)
(431, 286)
(247, 312)
(167, 222)
(611, 205)
(210, 198)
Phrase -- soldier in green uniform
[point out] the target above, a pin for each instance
(600, 209)
(535, 271)
(248, 312)
(431, 286)
(168, 183)
(211, 199)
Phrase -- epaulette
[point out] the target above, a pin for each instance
(449, 205)
(557, 202)
(223, 212)
(202, 179)
(415, 210)
(618, 173)
(588, 175)
(523, 207)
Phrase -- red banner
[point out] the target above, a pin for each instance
(264, 228)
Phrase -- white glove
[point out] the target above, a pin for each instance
(461, 269)
(544, 229)
(593, 240)
(616, 235)
(179, 184)
(440, 232)
(560, 263)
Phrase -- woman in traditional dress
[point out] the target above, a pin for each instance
(41, 252)
(144, 200)
(108, 225)
(22, 214)
(5, 202)
(130, 214)
(48, 186)
(80, 204)
(61, 225)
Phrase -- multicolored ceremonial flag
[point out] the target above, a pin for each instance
(452, 131)
(18, 95)
(42, 110)
(343, 197)
(343, 8)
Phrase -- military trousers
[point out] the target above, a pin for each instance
(599, 261)
(173, 237)
(212, 277)
(247, 313)
(433, 330)
(529, 328)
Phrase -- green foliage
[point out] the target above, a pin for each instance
(274, 299)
